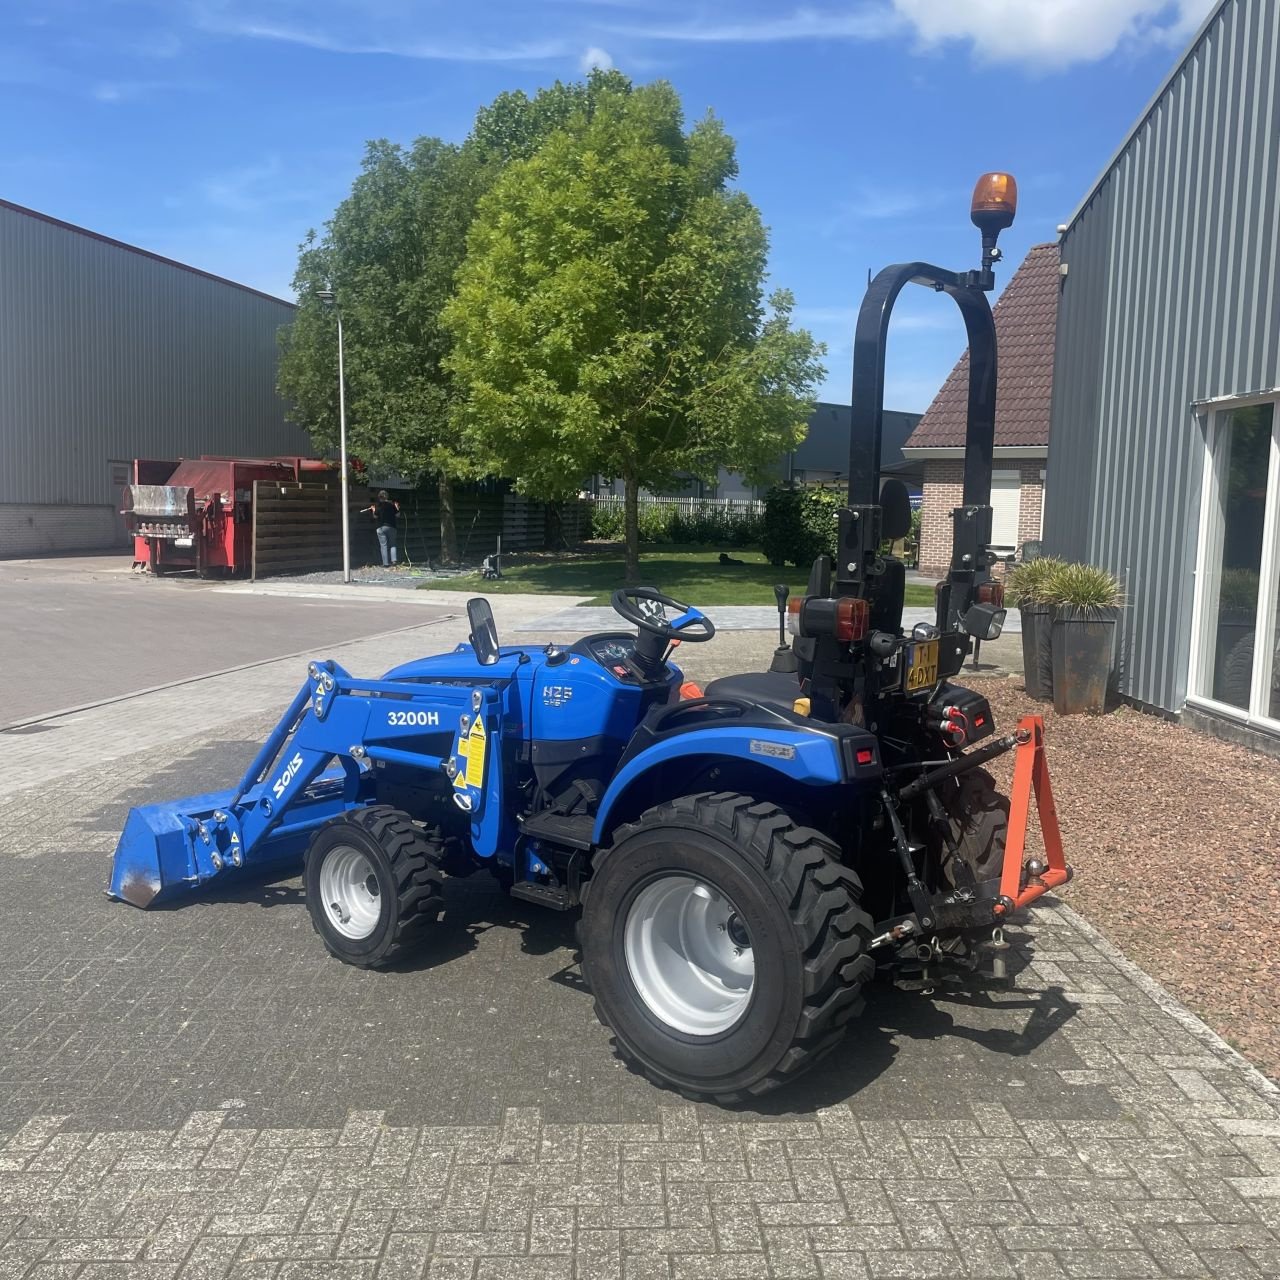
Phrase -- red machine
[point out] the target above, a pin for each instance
(198, 513)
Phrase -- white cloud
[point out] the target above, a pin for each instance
(861, 22)
(595, 59)
(1040, 33)
(226, 21)
(1051, 33)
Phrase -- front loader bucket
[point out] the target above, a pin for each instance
(170, 850)
(155, 858)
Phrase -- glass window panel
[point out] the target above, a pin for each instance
(1234, 561)
(1273, 706)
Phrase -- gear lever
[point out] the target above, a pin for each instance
(784, 660)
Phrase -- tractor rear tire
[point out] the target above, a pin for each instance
(979, 825)
(372, 885)
(724, 946)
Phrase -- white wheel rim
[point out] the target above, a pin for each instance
(689, 955)
(349, 891)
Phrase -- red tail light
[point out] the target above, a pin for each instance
(847, 619)
(852, 615)
(991, 593)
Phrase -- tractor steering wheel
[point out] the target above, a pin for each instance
(646, 609)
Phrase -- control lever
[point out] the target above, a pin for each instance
(784, 659)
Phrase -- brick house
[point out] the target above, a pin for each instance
(1026, 321)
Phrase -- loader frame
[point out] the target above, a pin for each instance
(292, 786)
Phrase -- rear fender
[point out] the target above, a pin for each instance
(797, 759)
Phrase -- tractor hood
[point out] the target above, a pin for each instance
(462, 664)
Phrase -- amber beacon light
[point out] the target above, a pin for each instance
(995, 202)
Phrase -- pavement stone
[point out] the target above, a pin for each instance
(203, 1092)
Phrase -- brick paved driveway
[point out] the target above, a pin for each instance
(203, 1092)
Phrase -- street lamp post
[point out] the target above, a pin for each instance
(326, 297)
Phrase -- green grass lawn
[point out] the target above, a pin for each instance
(692, 574)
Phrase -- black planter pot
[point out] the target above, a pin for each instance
(1037, 654)
(1082, 650)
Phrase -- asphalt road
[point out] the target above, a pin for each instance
(79, 631)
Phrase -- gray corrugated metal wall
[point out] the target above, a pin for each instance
(1170, 298)
(109, 354)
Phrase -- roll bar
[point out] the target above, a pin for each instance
(968, 288)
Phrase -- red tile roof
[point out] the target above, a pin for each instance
(1026, 320)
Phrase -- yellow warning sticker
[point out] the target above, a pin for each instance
(460, 763)
(476, 743)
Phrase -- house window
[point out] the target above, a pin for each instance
(1006, 509)
(1234, 667)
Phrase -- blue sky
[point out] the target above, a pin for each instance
(218, 131)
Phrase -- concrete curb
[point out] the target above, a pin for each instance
(1170, 1004)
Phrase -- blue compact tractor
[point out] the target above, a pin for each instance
(744, 858)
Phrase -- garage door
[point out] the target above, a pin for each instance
(1006, 503)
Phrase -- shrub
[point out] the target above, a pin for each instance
(715, 525)
(1082, 586)
(607, 521)
(799, 525)
(1027, 582)
(654, 520)
(709, 524)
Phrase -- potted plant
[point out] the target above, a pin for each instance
(1086, 602)
(1026, 586)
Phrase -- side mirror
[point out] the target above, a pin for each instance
(484, 631)
(895, 510)
(983, 621)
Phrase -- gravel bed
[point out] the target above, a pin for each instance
(1173, 837)
(407, 576)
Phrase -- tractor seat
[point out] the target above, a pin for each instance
(770, 688)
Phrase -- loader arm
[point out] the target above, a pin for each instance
(292, 787)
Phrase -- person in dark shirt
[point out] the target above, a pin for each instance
(385, 512)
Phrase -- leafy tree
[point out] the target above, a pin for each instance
(609, 316)
(389, 253)
(513, 126)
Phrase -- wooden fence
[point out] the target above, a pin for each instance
(297, 528)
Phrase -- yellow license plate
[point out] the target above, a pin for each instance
(922, 665)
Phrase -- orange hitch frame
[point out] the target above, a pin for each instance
(1030, 772)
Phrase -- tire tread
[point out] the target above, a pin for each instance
(414, 865)
(822, 897)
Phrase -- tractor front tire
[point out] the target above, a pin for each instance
(724, 946)
(372, 884)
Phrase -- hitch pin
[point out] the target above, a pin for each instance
(896, 934)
